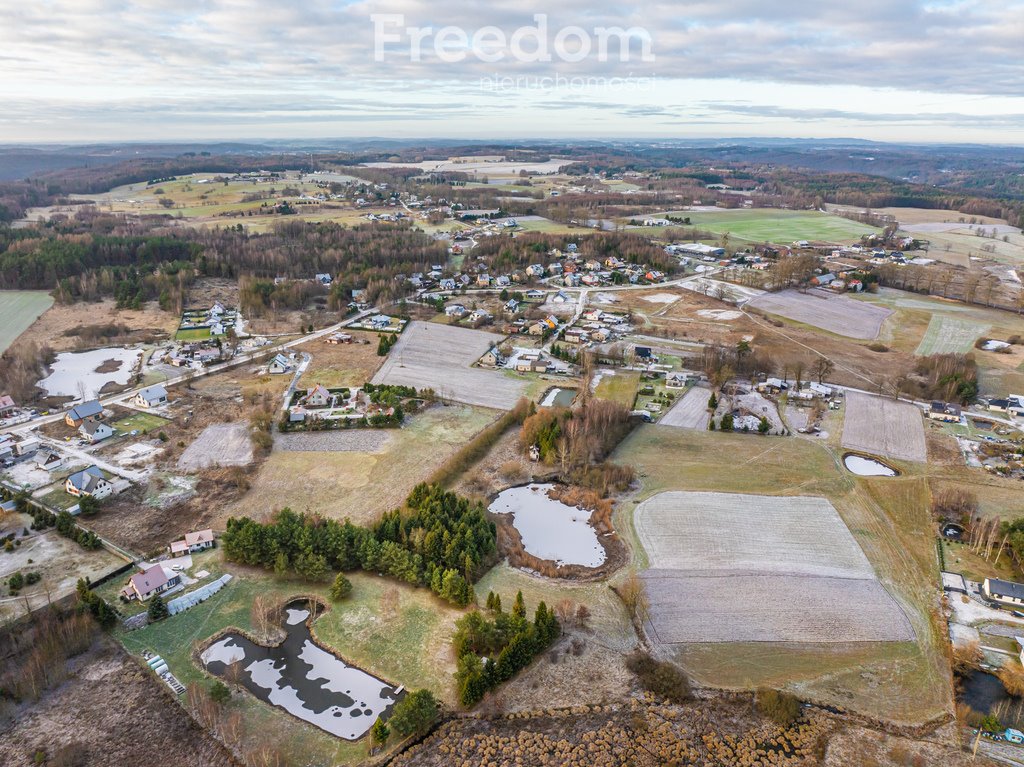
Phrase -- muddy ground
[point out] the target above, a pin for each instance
(108, 712)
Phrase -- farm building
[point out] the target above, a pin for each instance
(88, 482)
(87, 411)
(151, 396)
(1004, 592)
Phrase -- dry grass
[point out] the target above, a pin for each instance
(355, 484)
(884, 427)
(834, 313)
(53, 326)
(337, 365)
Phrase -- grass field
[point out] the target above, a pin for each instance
(620, 387)
(903, 681)
(821, 309)
(778, 226)
(361, 485)
(386, 628)
(142, 422)
(884, 427)
(192, 334)
(18, 310)
(950, 335)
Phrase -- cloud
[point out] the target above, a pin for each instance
(80, 59)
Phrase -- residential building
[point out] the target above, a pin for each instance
(155, 580)
(96, 431)
(86, 411)
(318, 396)
(1004, 592)
(90, 482)
(7, 406)
(944, 411)
(50, 461)
(279, 364)
(151, 396)
(193, 542)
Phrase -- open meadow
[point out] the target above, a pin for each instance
(18, 310)
(359, 484)
(885, 427)
(888, 519)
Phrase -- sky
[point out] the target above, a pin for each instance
(198, 70)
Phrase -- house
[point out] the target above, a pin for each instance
(511, 306)
(153, 581)
(820, 390)
(571, 280)
(339, 338)
(576, 336)
(531, 363)
(88, 482)
(492, 358)
(50, 461)
(560, 297)
(824, 279)
(151, 396)
(535, 270)
(280, 364)
(87, 411)
(324, 279)
(643, 352)
(193, 542)
(535, 295)
(6, 446)
(480, 316)
(999, 405)
(503, 281)
(1004, 592)
(944, 411)
(455, 310)
(318, 396)
(447, 284)
(7, 406)
(96, 431)
(484, 280)
(601, 335)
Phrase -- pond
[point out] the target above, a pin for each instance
(558, 398)
(983, 692)
(867, 467)
(302, 678)
(77, 374)
(551, 529)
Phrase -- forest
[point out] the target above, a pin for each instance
(439, 540)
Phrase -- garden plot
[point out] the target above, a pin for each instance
(690, 411)
(730, 568)
(950, 335)
(84, 374)
(884, 427)
(220, 444)
(438, 357)
(837, 314)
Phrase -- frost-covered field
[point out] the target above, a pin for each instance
(837, 314)
(884, 427)
(75, 374)
(751, 568)
(438, 357)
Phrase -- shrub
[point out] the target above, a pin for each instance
(162, 436)
(878, 347)
(219, 693)
(662, 678)
(781, 707)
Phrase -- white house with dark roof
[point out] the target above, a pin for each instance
(151, 396)
(96, 431)
(1004, 592)
(152, 581)
(90, 482)
(279, 364)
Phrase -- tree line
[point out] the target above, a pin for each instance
(439, 540)
(491, 649)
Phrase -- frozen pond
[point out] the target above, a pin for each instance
(305, 680)
(867, 467)
(559, 398)
(551, 529)
(73, 370)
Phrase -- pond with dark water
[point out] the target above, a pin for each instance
(982, 691)
(302, 678)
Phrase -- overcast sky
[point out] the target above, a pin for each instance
(96, 70)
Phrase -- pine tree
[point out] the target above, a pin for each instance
(380, 731)
(341, 588)
(157, 610)
(519, 608)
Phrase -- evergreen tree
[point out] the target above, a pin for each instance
(341, 588)
(519, 608)
(414, 713)
(380, 732)
(157, 610)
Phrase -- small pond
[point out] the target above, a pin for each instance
(867, 467)
(302, 678)
(73, 371)
(983, 692)
(551, 529)
(558, 398)
(953, 531)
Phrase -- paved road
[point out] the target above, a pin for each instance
(191, 375)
